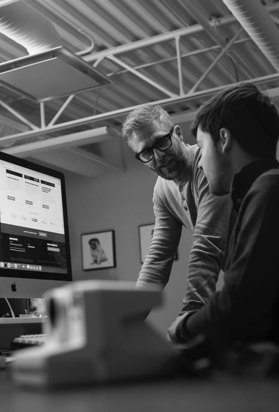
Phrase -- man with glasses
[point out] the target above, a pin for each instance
(181, 198)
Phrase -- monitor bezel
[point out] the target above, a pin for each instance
(20, 283)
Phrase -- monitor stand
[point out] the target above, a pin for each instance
(11, 328)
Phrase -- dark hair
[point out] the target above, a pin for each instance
(142, 116)
(248, 114)
(94, 239)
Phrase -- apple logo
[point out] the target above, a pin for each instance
(13, 287)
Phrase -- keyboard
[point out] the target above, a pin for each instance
(24, 341)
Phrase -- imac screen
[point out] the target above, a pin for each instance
(34, 238)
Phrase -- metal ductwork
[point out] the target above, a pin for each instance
(28, 27)
(257, 22)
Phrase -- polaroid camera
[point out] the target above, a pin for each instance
(95, 333)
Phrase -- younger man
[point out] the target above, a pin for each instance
(237, 131)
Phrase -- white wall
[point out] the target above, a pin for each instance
(121, 202)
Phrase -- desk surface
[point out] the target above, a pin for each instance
(177, 394)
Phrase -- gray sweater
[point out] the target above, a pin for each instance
(208, 218)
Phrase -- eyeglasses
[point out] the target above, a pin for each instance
(162, 144)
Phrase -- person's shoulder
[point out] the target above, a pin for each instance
(165, 189)
(265, 189)
(163, 184)
(272, 172)
(268, 181)
(193, 149)
(194, 157)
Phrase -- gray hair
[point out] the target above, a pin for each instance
(142, 116)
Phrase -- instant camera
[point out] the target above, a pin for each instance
(96, 332)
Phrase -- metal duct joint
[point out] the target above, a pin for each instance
(28, 27)
(257, 22)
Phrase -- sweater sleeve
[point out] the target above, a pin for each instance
(215, 219)
(157, 265)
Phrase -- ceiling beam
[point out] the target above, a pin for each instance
(69, 140)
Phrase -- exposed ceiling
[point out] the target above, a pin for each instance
(175, 53)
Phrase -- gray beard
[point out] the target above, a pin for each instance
(174, 174)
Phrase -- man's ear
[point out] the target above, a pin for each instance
(225, 139)
(178, 131)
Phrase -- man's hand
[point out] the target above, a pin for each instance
(177, 331)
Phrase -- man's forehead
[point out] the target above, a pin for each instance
(149, 133)
(154, 128)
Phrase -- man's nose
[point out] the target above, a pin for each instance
(157, 153)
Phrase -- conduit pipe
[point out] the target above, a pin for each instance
(257, 22)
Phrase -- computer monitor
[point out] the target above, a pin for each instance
(34, 237)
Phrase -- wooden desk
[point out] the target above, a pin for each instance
(181, 393)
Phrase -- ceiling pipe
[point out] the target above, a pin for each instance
(257, 22)
(28, 27)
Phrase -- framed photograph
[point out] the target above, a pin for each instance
(98, 250)
(145, 236)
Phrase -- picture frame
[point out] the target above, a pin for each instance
(98, 250)
(145, 237)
